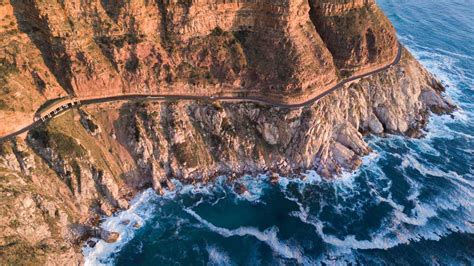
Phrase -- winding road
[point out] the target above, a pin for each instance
(260, 100)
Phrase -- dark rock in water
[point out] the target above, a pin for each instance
(91, 243)
(164, 185)
(125, 222)
(274, 178)
(160, 191)
(136, 225)
(302, 177)
(109, 237)
(240, 188)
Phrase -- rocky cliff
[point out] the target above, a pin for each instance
(281, 49)
(56, 182)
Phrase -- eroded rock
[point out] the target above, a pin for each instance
(375, 126)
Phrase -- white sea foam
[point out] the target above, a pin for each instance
(383, 239)
(308, 178)
(217, 256)
(255, 188)
(394, 230)
(141, 209)
(462, 183)
(269, 236)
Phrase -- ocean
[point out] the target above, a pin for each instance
(411, 203)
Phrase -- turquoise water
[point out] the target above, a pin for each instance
(410, 203)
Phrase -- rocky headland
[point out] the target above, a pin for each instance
(57, 181)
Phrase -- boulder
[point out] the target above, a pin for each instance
(80, 232)
(108, 236)
(91, 243)
(375, 126)
(269, 133)
(136, 225)
(125, 222)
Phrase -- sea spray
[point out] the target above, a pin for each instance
(141, 209)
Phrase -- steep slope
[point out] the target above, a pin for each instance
(278, 49)
(88, 163)
(357, 33)
(58, 180)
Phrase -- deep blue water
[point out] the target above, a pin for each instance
(412, 202)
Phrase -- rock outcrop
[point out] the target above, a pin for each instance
(356, 32)
(195, 140)
(281, 49)
(58, 181)
(78, 233)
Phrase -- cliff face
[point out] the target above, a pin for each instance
(193, 140)
(281, 49)
(357, 33)
(90, 162)
(56, 181)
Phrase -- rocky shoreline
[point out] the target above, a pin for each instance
(109, 154)
(251, 139)
(58, 180)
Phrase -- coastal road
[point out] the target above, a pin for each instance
(259, 100)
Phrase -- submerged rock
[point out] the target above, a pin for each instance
(136, 225)
(91, 243)
(240, 188)
(125, 222)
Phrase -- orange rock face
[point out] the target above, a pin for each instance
(357, 33)
(278, 47)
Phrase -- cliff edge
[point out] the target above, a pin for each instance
(61, 178)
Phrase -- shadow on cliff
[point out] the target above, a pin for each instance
(51, 47)
(267, 53)
(127, 133)
(355, 37)
(112, 8)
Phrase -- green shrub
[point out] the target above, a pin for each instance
(217, 31)
(65, 145)
(6, 69)
(132, 64)
(3, 105)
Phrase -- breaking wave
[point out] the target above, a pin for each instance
(141, 209)
(269, 236)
